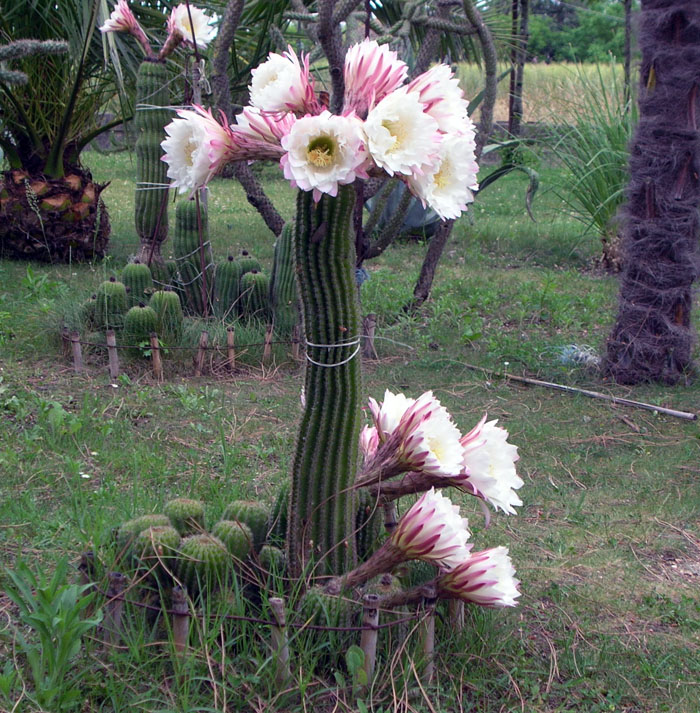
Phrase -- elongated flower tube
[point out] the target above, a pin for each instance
(414, 435)
(196, 148)
(258, 135)
(486, 578)
(489, 466)
(283, 83)
(432, 530)
(448, 184)
(369, 442)
(401, 137)
(324, 152)
(371, 72)
(122, 19)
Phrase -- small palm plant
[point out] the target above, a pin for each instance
(50, 207)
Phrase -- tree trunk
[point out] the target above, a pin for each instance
(652, 339)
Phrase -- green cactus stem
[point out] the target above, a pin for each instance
(203, 563)
(254, 300)
(156, 548)
(193, 258)
(255, 515)
(228, 276)
(111, 304)
(151, 200)
(138, 280)
(322, 507)
(247, 262)
(139, 322)
(166, 305)
(236, 535)
(186, 515)
(283, 288)
(128, 531)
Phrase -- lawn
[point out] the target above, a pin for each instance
(606, 545)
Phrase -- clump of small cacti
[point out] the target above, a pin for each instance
(253, 514)
(236, 535)
(283, 291)
(151, 201)
(111, 304)
(138, 279)
(128, 531)
(203, 563)
(186, 515)
(254, 299)
(166, 305)
(194, 278)
(139, 322)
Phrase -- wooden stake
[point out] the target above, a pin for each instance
(296, 342)
(112, 354)
(267, 349)
(114, 607)
(201, 353)
(455, 609)
(155, 357)
(77, 352)
(231, 349)
(428, 632)
(181, 619)
(86, 568)
(369, 324)
(368, 640)
(279, 641)
(65, 342)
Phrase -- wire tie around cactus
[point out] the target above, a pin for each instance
(337, 345)
(146, 186)
(153, 107)
(340, 363)
(196, 250)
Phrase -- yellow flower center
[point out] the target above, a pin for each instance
(398, 132)
(189, 151)
(321, 151)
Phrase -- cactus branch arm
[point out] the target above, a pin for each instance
(330, 40)
(343, 9)
(391, 229)
(25, 48)
(257, 197)
(224, 40)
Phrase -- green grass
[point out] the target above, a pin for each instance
(607, 543)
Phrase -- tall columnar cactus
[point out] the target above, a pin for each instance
(151, 204)
(283, 288)
(194, 282)
(111, 304)
(254, 300)
(166, 305)
(322, 508)
(138, 279)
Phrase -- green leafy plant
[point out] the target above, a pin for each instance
(57, 614)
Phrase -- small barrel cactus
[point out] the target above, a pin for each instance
(139, 281)
(111, 304)
(204, 563)
(228, 276)
(139, 322)
(254, 300)
(166, 305)
(236, 535)
(283, 290)
(128, 531)
(271, 559)
(88, 312)
(186, 515)
(157, 548)
(253, 514)
(247, 262)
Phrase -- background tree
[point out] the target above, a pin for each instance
(652, 338)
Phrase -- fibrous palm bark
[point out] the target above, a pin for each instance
(652, 339)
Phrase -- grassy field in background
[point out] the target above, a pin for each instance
(552, 93)
(607, 543)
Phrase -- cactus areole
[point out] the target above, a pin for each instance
(321, 507)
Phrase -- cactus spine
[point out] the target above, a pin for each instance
(195, 283)
(283, 289)
(151, 202)
(322, 509)
(138, 280)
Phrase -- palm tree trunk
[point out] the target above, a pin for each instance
(652, 339)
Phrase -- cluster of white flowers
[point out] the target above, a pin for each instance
(419, 132)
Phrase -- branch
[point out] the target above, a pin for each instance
(330, 40)
(224, 40)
